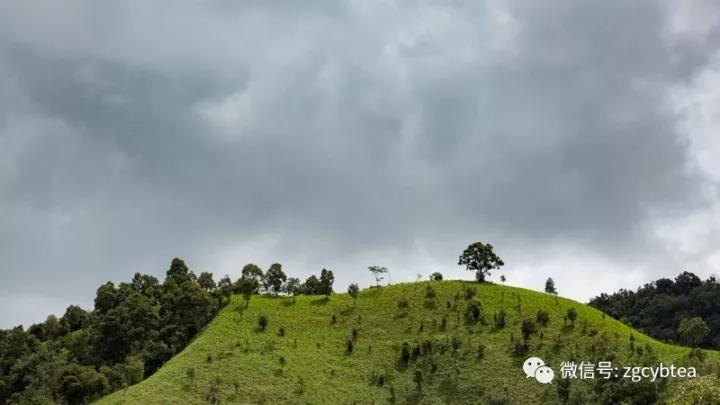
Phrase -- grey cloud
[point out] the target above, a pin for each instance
(342, 133)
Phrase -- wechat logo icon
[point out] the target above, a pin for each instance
(535, 367)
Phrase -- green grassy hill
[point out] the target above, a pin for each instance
(232, 361)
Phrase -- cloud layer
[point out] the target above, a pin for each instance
(579, 140)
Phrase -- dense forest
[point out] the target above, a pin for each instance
(685, 310)
(134, 328)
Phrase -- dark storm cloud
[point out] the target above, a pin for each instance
(339, 134)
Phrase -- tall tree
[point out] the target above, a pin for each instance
(253, 272)
(550, 286)
(480, 258)
(354, 292)
(377, 272)
(327, 278)
(312, 285)
(275, 277)
(247, 286)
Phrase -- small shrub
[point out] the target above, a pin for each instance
(437, 276)
(473, 313)
(262, 322)
(404, 354)
(377, 379)
(572, 315)
(430, 293)
(403, 303)
(209, 358)
(528, 327)
(190, 374)
(333, 319)
(481, 351)
(542, 317)
(354, 333)
(349, 346)
(499, 319)
(470, 293)
(281, 331)
(282, 361)
(520, 349)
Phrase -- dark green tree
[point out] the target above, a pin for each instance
(247, 286)
(480, 258)
(572, 315)
(206, 281)
(275, 277)
(550, 286)
(354, 292)
(327, 278)
(312, 286)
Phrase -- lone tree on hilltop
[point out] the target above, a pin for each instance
(378, 272)
(353, 291)
(480, 258)
(550, 286)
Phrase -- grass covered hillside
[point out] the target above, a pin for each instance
(422, 342)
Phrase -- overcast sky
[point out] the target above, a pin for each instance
(581, 140)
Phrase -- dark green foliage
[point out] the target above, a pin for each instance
(133, 330)
(550, 286)
(470, 293)
(473, 312)
(349, 346)
(481, 351)
(312, 286)
(403, 303)
(292, 287)
(499, 318)
(275, 277)
(327, 278)
(571, 315)
(205, 280)
(404, 354)
(436, 276)
(542, 317)
(377, 379)
(354, 292)
(247, 286)
(480, 258)
(527, 328)
(262, 322)
(281, 331)
(659, 307)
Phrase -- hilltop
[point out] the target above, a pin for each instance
(326, 350)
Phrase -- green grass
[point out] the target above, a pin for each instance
(317, 368)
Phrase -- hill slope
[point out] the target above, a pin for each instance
(232, 361)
